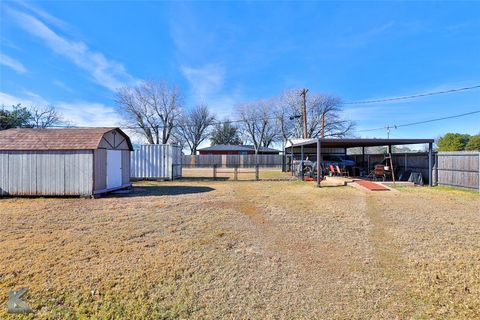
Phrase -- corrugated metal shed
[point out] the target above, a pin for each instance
(156, 161)
(61, 162)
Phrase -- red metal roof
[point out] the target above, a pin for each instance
(54, 139)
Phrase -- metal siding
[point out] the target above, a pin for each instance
(40, 173)
(3, 173)
(100, 172)
(50, 173)
(155, 162)
(22, 173)
(79, 172)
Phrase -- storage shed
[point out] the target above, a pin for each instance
(63, 162)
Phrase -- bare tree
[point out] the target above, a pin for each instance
(151, 108)
(286, 110)
(193, 126)
(289, 111)
(44, 117)
(258, 123)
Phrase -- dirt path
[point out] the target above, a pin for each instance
(344, 276)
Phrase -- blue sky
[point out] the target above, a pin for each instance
(74, 54)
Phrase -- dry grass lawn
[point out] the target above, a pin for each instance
(245, 250)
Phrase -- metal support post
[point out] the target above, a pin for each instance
(430, 162)
(319, 157)
(301, 163)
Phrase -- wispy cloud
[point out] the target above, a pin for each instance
(365, 37)
(204, 81)
(62, 85)
(78, 113)
(207, 86)
(105, 72)
(89, 114)
(12, 63)
(43, 14)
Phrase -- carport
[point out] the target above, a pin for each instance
(319, 146)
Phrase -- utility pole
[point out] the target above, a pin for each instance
(388, 130)
(304, 94)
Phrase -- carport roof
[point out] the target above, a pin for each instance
(351, 143)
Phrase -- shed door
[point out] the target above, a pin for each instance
(114, 168)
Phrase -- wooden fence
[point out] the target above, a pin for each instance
(403, 163)
(250, 160)
(458, 169)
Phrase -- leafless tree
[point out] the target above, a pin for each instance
(44, 116)
(286, 110)
(193, 126)
(289, 112)
(258, 123)
(151, 108)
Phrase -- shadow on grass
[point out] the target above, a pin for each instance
(142, 191)
(204, 179)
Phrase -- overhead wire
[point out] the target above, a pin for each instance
(395, 126)
(352, 102)
(426, 94)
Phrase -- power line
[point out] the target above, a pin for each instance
(420, 122)
(427, 94)
(274, 118)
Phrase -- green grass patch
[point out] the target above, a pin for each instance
(438, 189)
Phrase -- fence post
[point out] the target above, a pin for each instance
(479, 172)
(235, 173)
(257, 174)
(214, 172)
(430, 165)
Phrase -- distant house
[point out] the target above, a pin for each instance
(234, 149)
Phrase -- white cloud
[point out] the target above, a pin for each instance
(12, 63)
(43, 14)
(205, 81)
(104, 72)
(10, 100)
(62, 85)
(207, 86)
(77, 113)
(89, 114)
(365, 37)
